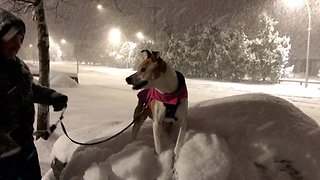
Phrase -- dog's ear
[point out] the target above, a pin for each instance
(149, 54)
(156, 54)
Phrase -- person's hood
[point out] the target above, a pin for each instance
(10, 25)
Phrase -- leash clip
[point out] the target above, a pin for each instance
(45, 134)
(62, 113)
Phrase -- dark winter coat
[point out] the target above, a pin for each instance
(18, 92)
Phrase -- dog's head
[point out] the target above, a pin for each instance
(148, 71)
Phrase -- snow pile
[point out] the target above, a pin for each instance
(62, 80)
(211, 158)
(245, 137)
(268, 137)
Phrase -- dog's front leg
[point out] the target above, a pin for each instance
(158, 113)
(181, 114)
(140, 115)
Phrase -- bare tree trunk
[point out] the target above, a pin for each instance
(44, 62)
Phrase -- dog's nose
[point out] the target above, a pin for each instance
(129, 80)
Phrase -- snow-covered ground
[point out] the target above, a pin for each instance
(102, 104)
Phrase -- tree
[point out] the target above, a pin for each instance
(44, 59)
(184, 52)
(268, 51)
(123, 56)
(208, 51)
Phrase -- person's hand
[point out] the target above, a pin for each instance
(59, 101)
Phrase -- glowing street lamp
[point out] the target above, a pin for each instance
(115, 36)
(294, 4)
(64, 45)
(140, 36)
(99, 6)
(63, 41)
(32, 52)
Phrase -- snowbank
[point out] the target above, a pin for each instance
(252, 136)
(62, 80)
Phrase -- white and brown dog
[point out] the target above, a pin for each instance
(164, 96)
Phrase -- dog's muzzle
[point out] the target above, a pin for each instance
(129, 80)
(140, 85)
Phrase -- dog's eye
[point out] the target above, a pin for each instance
(143, 70)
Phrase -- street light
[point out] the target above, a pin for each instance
(140, 36)
(115, 36)
(31, 53)
(63, 41)
(67, 49)
(296, 3)
(99, 6)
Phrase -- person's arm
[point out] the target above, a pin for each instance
(44, 95)
(41, 94)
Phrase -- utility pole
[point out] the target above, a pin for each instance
(308, 45)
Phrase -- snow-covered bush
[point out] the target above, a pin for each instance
(126, 58)
(128, 55)
(55, 51)
(230, 60)
(287, 72)
(122, 57)
(268, 52)
(187, 54)
(208, 51)
(175, 55)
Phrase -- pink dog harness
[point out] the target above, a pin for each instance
(171, 101)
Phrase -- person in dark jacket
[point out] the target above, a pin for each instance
(18, 93)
